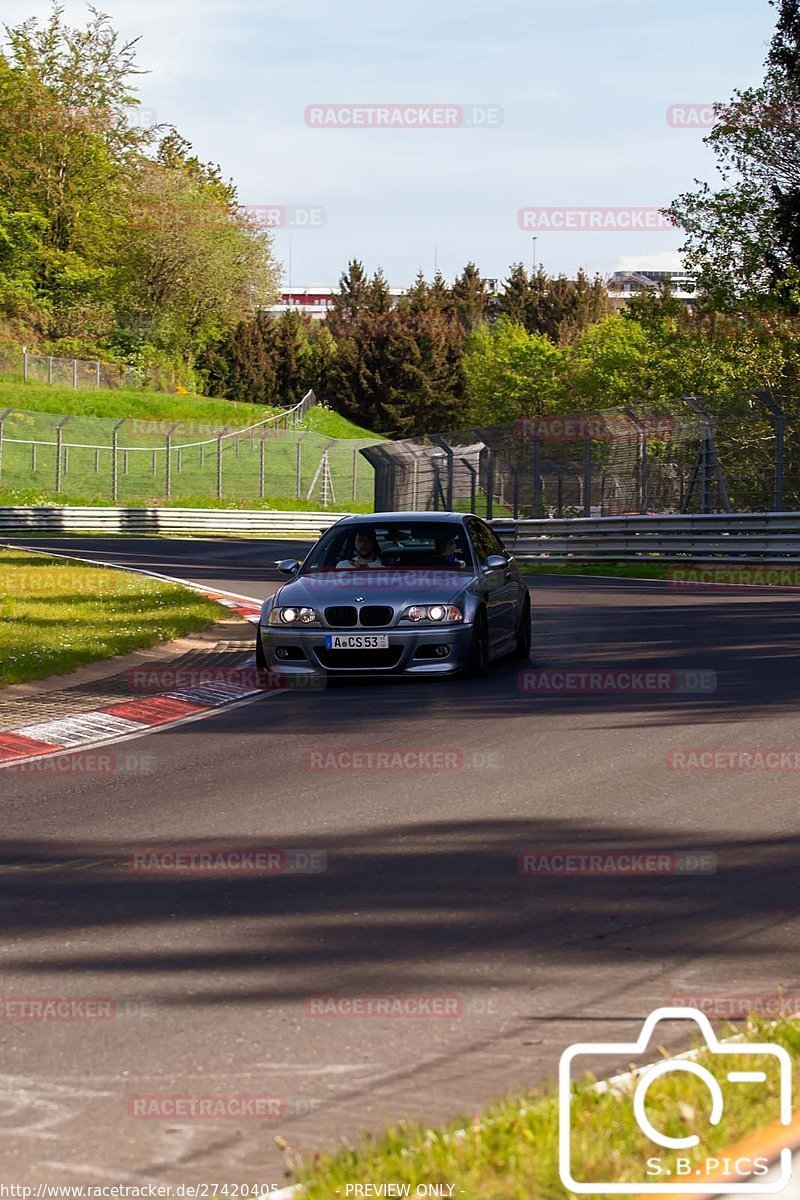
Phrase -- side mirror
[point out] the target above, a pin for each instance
(495, 562)
(289, 566)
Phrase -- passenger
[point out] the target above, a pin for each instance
(447, 551)
(367, 552)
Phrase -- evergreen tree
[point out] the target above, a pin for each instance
(469, 297)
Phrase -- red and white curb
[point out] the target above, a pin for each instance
(127, 719)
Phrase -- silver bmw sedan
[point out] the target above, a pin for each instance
(397, 594)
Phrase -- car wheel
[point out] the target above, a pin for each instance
(523, 647)
(478, 664)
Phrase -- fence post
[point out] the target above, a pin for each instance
(97, 374)
(779, 416)
(59, 445)
(49, 368)
(3, 416)
(33, 458)
(168, 470)
(74, 374)
(114, 451)
(537, 479)
(24, 365)
(219, 463)
(96, 461)
(261, 470)
(355, 475)
(587, 473)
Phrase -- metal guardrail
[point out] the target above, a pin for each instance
(213, 521)
(739, 537)
(730, 537)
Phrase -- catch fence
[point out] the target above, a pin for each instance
(129, 461)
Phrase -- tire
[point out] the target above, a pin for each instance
(478, 664)
(523, 646)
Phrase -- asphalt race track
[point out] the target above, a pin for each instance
(213, 979)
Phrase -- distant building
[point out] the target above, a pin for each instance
(623, 285)
(315, 302)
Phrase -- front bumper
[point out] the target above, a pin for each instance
(411, 652)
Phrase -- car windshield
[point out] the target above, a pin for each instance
(423, 545)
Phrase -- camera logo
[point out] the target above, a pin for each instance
(772, 1070)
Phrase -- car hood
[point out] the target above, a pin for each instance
(381, 586)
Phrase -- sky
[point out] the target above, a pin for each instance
(570, 101)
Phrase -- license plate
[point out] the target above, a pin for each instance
(357, 641)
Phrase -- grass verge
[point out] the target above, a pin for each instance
(621, 570)
(510, 1151)
(24, 498)
(56, 615)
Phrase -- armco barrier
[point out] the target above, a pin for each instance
(739, 537)
(728, 537)
(212, 521)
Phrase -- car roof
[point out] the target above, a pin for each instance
(377, 518)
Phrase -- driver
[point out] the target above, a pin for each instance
(367, 552)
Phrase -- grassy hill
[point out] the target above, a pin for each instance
(291, 458)
(158, 406)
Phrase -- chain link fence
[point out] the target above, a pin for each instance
(77, 373)
(91, 459)
(587, 464)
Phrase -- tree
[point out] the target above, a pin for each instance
(511, 374)
(470, 298)
(743, 240)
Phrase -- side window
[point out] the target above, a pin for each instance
(482, 539)
(492, 540)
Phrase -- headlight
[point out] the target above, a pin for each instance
(293, 616)
(438, 613)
